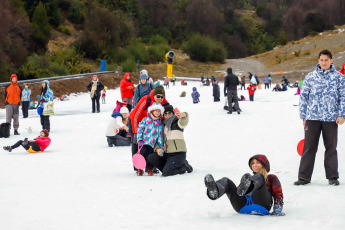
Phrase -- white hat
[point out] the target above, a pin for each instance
(124, 110)
(156, 106)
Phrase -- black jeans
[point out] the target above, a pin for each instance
(312, 133)
(25, 108)
(267, 85)
(95, 100)
(45, 122)
(261, 196)
(251, 97)
(243, 86)
(232, 97)
(170, 164)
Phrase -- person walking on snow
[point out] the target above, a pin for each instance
(127, 90)
(322, 109)
(13, 94)
(255, 193)
(230, 90)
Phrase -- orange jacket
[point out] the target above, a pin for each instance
(13, 94)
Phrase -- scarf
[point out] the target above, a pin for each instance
(94, 87)
(167, 122)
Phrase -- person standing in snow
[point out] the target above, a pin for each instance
(267, 82)
(150, 135)
(104, 94)
(37, 145)
(144, 88)
(255, 193)
(216, 91)
(230, 90)
(25, 101)
(322, 109)
(251, 90)
(174, 161)
(243, 82)
(13, 94)
(127, 90)
(95, 87)
(195, 96)
(46, 96)
(117, 129)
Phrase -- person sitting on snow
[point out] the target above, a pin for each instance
(117, 129)
(255, 193)
(37, 145)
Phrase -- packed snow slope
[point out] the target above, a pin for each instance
(80, 183)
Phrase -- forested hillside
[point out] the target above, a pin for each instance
(57, 37)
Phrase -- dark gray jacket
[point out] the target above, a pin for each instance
(231, 81)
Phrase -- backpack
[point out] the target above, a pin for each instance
(147, 92)
(5, 130)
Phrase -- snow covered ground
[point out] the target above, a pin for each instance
(81, 183)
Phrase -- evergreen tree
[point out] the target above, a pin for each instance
(41, 28)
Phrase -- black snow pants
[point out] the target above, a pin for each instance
(170, 164)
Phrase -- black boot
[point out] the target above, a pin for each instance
(7, 148)
(333, 181)
(188, 167)
(301, 182)
(212, 190)
(246, 185)
(16, 132)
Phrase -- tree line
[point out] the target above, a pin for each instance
(123, 31)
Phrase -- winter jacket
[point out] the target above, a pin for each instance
(98, 90)
(253, 80)
(243, 80)
(43, 142)
(275, 188)
(104, 93)
(114, 124)
(216, 91)
(142, 90)
(173, 138)
(26, 95)
(47, 96)
(322, 96)
(195, 95)
(13, 94)
(257, 79)
(140, 110)
(251, 88)
(285, 81)
(342, 71)
(231, 81)
(266, 80)
(127, 87)
(151, 132)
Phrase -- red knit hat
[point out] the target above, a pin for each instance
(46, 132)
(13, 75)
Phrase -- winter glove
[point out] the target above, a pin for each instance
(278, 210)
(140, 143)
(42, 101)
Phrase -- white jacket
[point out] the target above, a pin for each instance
(113, 126)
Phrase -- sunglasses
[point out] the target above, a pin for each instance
(168, 113)
(159, 96)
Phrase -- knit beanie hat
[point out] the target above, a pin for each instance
(13, 75)
(159, 90)
(124, 110)
(46, 133)
(263, 160)
(143, 76)
(168, 108)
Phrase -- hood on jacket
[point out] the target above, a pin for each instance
(263, 160)
(194, 89)
(125, 76)
(155, 106)
(343, 67)
(47, 83)
(229, 70)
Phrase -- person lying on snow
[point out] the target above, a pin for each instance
(37, 145)
(255, 193)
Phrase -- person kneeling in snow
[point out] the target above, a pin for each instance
(255, 192)
(150, 135)
(174, 161)
(117, 129)
(37, 145)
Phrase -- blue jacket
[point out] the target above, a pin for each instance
(322, 97)
(48, 96)
(140, 91)
(26, 94)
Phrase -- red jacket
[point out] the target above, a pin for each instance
(43, 142)
(275, 188)
(140, 110)
(251, 88)
(342, 71)
(127, 87)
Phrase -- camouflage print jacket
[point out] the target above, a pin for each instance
(323, 95)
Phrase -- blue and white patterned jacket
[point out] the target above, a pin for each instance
(323, 95)
(150, 132)
(48, 96)
(26, 94)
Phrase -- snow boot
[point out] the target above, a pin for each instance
(333, 181)
(258, 180)
(246, 185)
(212, 190)
(25, 142)
(140, 172)
(301, 182)
(150, 172)
(8, 148)
(155, 170)
(188, 167)
(16, 132)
